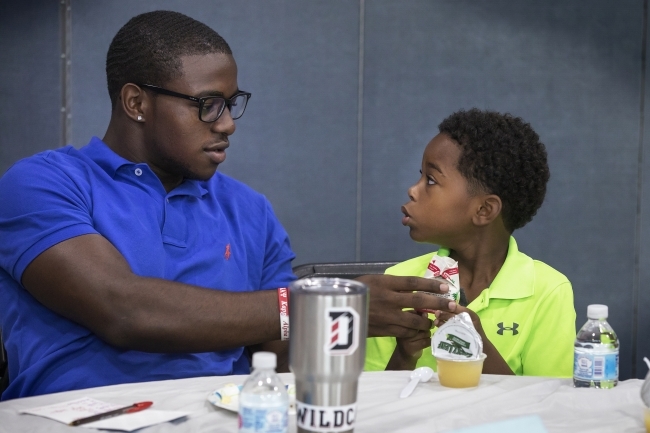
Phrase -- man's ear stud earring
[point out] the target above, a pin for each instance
(140, 118)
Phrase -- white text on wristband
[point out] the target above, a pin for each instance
(283, 304)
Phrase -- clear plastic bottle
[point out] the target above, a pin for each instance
(595, 359)
(263, 401)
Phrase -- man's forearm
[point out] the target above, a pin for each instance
(86, 280)
(182, 318)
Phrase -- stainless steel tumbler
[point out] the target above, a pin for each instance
(327, 350)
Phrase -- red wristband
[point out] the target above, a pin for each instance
(283, 305)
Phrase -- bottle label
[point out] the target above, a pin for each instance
(589, 365)
(263, 420)
(325, 418)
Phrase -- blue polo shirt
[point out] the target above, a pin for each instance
(218, 234)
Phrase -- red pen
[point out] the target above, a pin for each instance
(136, 407)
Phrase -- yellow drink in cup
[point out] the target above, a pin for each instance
(464, 373)
(647, 420)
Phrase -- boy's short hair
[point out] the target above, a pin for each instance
(501, 155)
(148, 48)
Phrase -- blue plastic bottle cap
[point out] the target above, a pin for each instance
(597, 311)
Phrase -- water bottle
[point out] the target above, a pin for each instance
(595, 359)
(263, 401)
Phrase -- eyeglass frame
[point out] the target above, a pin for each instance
(201, 101)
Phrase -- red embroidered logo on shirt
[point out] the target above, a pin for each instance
(227, 253)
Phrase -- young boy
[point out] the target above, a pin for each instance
(484, 176)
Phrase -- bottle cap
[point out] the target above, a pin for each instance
(597, 311)
(264, 360)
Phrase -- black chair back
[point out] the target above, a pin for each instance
(349, 270)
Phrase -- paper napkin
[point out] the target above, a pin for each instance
(68, 411)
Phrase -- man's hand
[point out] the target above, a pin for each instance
(390, 295)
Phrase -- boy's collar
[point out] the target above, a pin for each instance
(515, 279)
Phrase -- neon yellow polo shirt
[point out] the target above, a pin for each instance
(527, 313)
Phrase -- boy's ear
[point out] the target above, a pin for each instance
(489, 209)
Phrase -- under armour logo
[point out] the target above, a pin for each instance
(226, 255)
(512, 328)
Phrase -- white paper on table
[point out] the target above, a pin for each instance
(68, 411)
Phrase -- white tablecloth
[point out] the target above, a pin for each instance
(431, 408)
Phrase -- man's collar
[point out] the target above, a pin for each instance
(111, 162)
(104, 156)
(515, 279)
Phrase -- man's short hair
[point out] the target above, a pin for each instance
(148, 48)
(501, 155)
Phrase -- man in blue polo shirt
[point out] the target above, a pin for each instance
(131, 259)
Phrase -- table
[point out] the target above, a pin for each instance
(430, 408)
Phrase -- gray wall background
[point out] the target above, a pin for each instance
(347, 93)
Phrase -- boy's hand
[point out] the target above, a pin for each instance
(494, 363)
(409, 350)
(454, 309)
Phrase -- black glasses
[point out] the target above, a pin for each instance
(210, 107)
